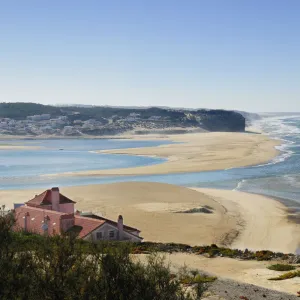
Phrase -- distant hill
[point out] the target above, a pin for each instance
(36, 119)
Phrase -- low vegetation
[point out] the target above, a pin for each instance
(212, 251)
(288, 275)
(281, 267)
(63, 267)
(204, 210)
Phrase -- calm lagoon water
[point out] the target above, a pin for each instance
(280, 177)
(21, 169)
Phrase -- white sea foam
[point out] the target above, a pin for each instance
(277, 128)
(292, 179)
(239, 185)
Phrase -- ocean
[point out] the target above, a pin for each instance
(22, 169)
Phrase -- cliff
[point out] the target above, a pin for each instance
(37, 119)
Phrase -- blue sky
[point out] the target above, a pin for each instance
(232, 54)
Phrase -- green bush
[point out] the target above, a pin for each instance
(281, 267)
(63, 267)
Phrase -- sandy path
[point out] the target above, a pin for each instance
(196, 152)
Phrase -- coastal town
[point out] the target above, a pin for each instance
(65, 126)
(30, 119)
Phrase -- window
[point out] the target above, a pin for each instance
(111, 234)
(99, 235)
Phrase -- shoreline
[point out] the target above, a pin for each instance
(19, 147)
(196, 152)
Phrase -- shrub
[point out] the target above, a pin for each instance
(264, 255)
(288, 275)
(62, 267)
(213, 252)
(281, 267)
(198, 281)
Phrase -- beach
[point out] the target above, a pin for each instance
(17, 147)
(196, 152)
(160, 211)
(195, 216)
(170, 213)
(240, 271)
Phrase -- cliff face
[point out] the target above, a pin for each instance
(36, 119)
(221, 120)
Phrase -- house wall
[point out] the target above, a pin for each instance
(35, 220)
(67, 208)
(105, 229)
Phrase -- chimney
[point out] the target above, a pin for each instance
(55, 198)
(120, 227)
(26, 221)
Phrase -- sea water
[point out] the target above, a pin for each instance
(278, 178)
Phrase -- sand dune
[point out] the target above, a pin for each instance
(197, 152)
(238, 219)
(252, 272)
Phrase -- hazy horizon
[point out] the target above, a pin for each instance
(233, 55)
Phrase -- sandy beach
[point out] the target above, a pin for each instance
(238, 219)
(250, 272)
(195, 152)
(18, 147)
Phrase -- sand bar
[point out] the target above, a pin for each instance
(238, 220)
(196, 152)
(18, 147)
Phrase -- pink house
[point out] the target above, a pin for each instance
(52, 213)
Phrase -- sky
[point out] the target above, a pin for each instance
(233, 54)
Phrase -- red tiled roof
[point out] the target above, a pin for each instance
(41, 199)
(45, 199)
(96, 217)
(88, 225)
(36, 217)
(63, 199)
(40, 210)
